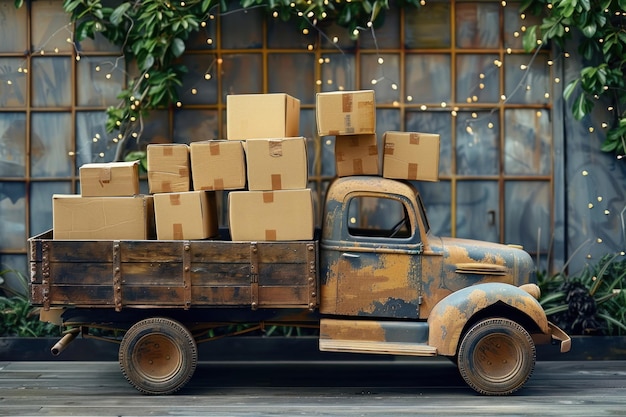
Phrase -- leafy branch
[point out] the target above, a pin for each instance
(602, 27)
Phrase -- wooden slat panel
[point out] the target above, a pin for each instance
(220, 274)
(72, 273)
(284, 252)
(220, 252)
(221, 296)
(84, 294)
(153, 273)
(152, 295)
(151, 251)
(80, 251)
(281, 296)
(283, 274)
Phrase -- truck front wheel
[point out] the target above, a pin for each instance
(158, 355)
(496, 356)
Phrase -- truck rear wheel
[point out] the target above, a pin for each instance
(496, 356)
(158, 355)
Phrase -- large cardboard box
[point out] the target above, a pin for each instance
(356, 155)
(271, 215)
(411, 156)
(168, 168)
(186, 215)
(276, 164)
(346, 113)
(262, 116)
(110, 218)
(218, 165)
(109, 179)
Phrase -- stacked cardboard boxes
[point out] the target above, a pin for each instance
(351, 117)
(108, 207)
(277, 204)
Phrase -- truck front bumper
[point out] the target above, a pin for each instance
(560, 337)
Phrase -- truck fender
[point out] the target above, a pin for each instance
(449, 317)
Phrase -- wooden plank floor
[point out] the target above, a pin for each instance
(391, 388)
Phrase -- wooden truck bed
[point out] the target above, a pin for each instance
(177, 274)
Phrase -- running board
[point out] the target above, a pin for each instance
(383, 348)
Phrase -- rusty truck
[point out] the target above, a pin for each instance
(370, 283)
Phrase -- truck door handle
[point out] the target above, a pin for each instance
(350, 255)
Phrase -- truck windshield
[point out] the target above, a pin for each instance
(378, 217)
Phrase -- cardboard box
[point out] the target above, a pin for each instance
(262, 116)
(276, 164)
(110, 218)
(356, 155)
(186, 215)
(217, 165)
(168, 168)
(411, 156)
(110, 179)
(346, 113)
(271, 215)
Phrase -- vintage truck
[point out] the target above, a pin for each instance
(370, 283)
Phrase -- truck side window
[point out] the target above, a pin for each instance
(378, 217)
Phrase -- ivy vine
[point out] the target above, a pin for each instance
(601, 24)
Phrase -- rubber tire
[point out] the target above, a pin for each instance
(158, 356)
(496, 356)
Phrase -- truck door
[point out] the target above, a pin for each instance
(374, 267)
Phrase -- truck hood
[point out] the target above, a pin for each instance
(467, 262)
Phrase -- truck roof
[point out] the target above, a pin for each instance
(345, 185)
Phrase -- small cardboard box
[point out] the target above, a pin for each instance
(271, 215)
(276, 164)
(168, 168)
(346, 113)
(356, 155)
(411, 156)
(218, 165)
(186, 215)
(262, 116)
(110, 218)
(109, 179)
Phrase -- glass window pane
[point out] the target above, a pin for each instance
(249, 28)
(93, 143)
(338, 72)
(383, 77)
(237, 76)
(13, 145)
(513, 23)
(386, 35)
(335, 37)
(528, 214)
(428, 78)
(13, 90)
(478, 79)
(195, 125)
(52, 27)
(478, 213)
(428, 27)
(478, 25)
(477, 143)
(281, 34)
(527, 83)
(98, 44)
(51, 84)
(436, 197)
(41, 203)
(200, 82)
(278, 65)
(13, 28)
(439, 123)
(528, 142)
(100, 79)
(13, 219)
(54, 131)
(204, 38)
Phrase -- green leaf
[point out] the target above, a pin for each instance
(148, 62)
(582, 106)
(622, 4)
(589, 30)
(19, 3)
(118, 13)
(529, 41)
(569, 89)
(178, 47)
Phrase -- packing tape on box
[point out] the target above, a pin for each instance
(277, 182)
(275, 148)
(104, 176)
(218, 184)
(177, 231)
(270, 234)
(214, 149)
(414, 139)
(346, 102)
(166, 186)
(168, 150)
(357, 166)
(268, 197)
(183, 172)
(340, 156)
(412, 172)
(174, 199)
(373, 150)
(389, 148)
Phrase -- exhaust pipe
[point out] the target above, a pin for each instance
(64, 341)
